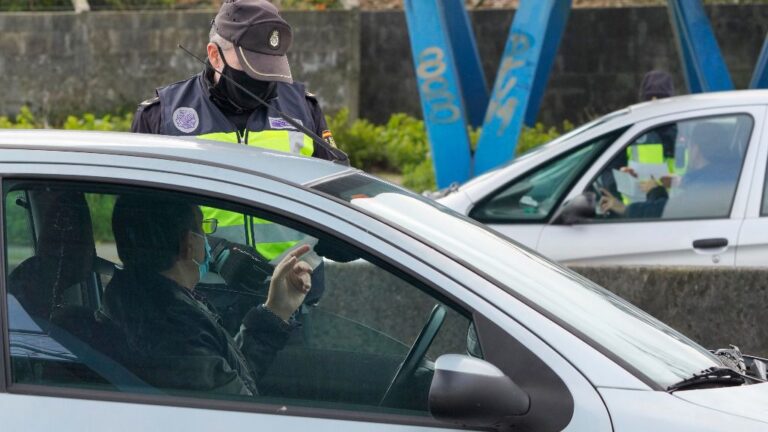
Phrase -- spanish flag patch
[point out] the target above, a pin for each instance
(328, 137)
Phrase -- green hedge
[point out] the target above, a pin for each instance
(399, 146)
(27, 120)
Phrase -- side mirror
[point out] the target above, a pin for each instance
(471, 392)
(579, 209)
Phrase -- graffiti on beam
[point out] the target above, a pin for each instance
(443, 104)
(504, 103)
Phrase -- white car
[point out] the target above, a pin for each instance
(690, 203)
(428, 320)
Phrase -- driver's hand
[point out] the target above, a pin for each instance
(670, 180)
(290, 283)
(648, 185)
(608, 202)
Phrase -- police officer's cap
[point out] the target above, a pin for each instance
(261, 37)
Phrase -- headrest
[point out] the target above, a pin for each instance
(66, 235)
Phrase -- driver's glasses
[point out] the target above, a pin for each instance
(210, 225)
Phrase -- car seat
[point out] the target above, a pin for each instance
(50, 287)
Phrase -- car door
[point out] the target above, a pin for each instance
(334, 376)
(688, 213)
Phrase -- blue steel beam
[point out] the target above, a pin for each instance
(441, 98)
(525, 65)
(760, 75)
(703, 63)
(469, 67)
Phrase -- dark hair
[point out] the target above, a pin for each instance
(148, 229)
(656, 84)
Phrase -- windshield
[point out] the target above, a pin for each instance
(621, 329)
(536, 150)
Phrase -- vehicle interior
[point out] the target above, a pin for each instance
(367, 340)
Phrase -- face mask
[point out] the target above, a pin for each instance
(202, 267)
(236, 96)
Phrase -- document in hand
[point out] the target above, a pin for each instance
(629, 186)
(647, 170)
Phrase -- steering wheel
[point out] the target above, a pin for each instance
(417, 353)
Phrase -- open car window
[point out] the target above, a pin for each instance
(534, 196)
(89, 309)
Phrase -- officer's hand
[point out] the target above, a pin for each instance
(290, 283)
(242, 268)
(629, 171)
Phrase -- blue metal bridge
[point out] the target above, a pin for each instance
(453, 89)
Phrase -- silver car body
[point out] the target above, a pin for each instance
(607, 395)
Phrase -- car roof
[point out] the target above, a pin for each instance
(286, 166)
(479, 186)
(699, 101)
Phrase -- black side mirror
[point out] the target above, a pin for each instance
(579, 209)
(471, 392)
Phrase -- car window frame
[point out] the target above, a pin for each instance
(5, 351)
(632, 138)
(761, 178)
(619, 131)
(386, 263)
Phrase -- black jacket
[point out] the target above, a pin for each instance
(195, 94)
(175, 340)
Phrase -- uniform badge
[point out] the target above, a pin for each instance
(186, 119)
(281, 123)
(274, 39)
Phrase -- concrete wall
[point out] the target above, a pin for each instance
(104, 61)
(602, 58)
(61, 63)
(714, 307)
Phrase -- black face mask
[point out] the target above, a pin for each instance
(234, 95)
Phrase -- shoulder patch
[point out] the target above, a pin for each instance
(149, 102)
(328, 137)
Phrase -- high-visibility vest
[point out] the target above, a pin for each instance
(650, 153)
(187, 110)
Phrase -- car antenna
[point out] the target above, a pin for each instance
(285, 117)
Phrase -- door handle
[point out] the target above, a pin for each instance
(710, 243)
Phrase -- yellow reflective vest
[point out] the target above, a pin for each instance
(187, 110)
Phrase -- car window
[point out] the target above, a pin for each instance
(683, 170)
(533, 197)
(117, 298)
(19, 234)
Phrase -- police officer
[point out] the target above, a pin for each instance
(248, 42)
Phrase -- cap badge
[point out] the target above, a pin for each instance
(274, 39)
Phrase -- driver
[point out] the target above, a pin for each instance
(704, 189)
(175, 340)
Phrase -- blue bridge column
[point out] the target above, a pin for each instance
(530, 51)
(703, 63)
(441, 97)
